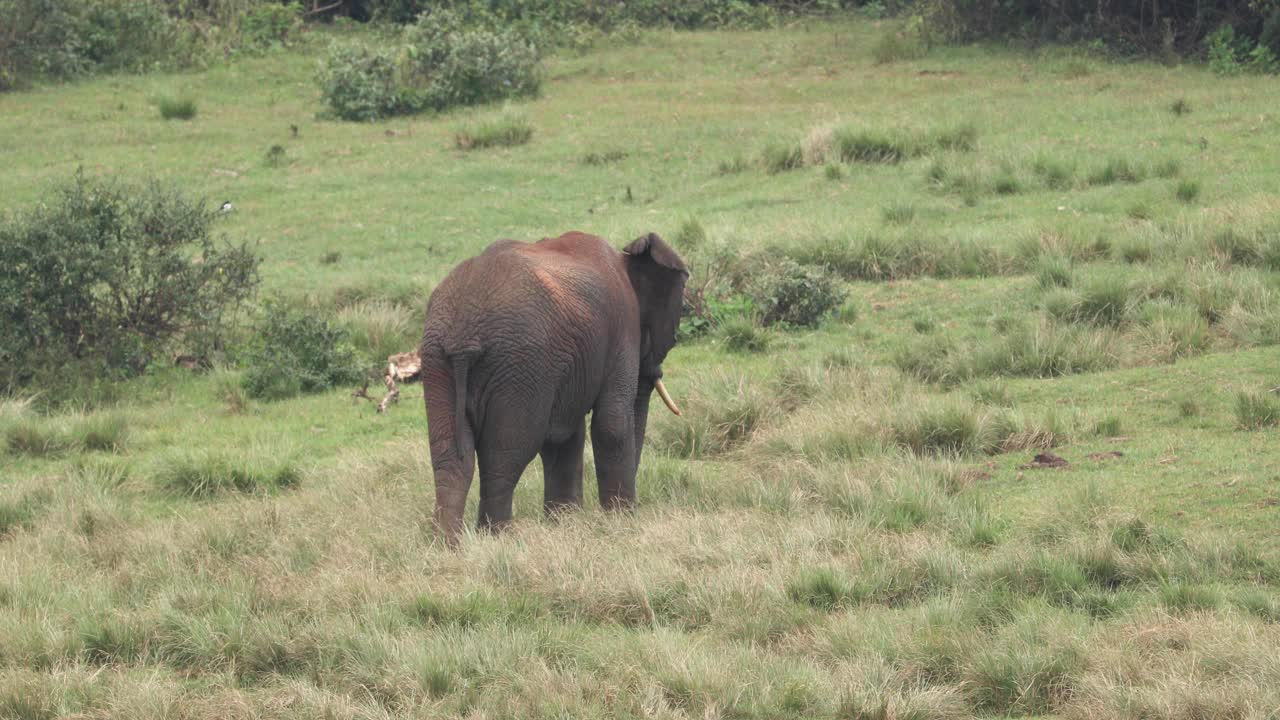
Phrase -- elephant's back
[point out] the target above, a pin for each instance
(518, 295)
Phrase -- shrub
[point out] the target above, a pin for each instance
(176, 108)
(61, 39)
(271, 23)
(506, 130)
(112, 274)
(296, 352)
(359, 83)
(1222, 50)
(896, 46)
(451, 66)
(792, 294)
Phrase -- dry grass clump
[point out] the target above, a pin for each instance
(817, 147)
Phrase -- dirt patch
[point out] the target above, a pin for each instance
(1043, 461)
(1108, 455)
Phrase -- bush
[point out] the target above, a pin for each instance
(271, 23)
(443, 64)
(452, 68)
(62, 39)
(359, 83)
(897, 45)
(789, 293)
(112, 274)
(296, 352)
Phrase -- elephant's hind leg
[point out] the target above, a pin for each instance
(562, 471)
(500, 470)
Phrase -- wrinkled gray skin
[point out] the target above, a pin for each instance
(520, 343)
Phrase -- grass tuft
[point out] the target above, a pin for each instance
(780, 158)
(1257, 410)
(607, 157)
(505, 130)
(176, 108)
(1116, 170)
(202, 474)
(1187, 190)
(743, 336)
(899, 213)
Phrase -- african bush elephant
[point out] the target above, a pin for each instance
(520, 343)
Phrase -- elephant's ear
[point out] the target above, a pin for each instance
(657, 250)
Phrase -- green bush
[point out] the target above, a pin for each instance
(449, 67)
(359, 83)
(271, 23)
(789, 293)
(295, 352)
(110, 275)
(443, 64)
(61, 39)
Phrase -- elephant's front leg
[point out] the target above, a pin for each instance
(562, 471)
(613, 445)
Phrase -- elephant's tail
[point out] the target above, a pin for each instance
(461, 363)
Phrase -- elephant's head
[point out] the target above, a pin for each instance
(658, 275)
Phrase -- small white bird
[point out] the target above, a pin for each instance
(226, 206)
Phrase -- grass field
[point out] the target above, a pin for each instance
(1044, 251)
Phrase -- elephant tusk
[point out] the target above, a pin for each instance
(662, 393)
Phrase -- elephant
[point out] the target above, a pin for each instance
(520, 343)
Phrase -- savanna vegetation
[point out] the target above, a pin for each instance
(916, 267)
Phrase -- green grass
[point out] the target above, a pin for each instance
(505, 130)
(176, 108)
(840, 524)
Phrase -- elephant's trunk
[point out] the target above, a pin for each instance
(666, 399)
